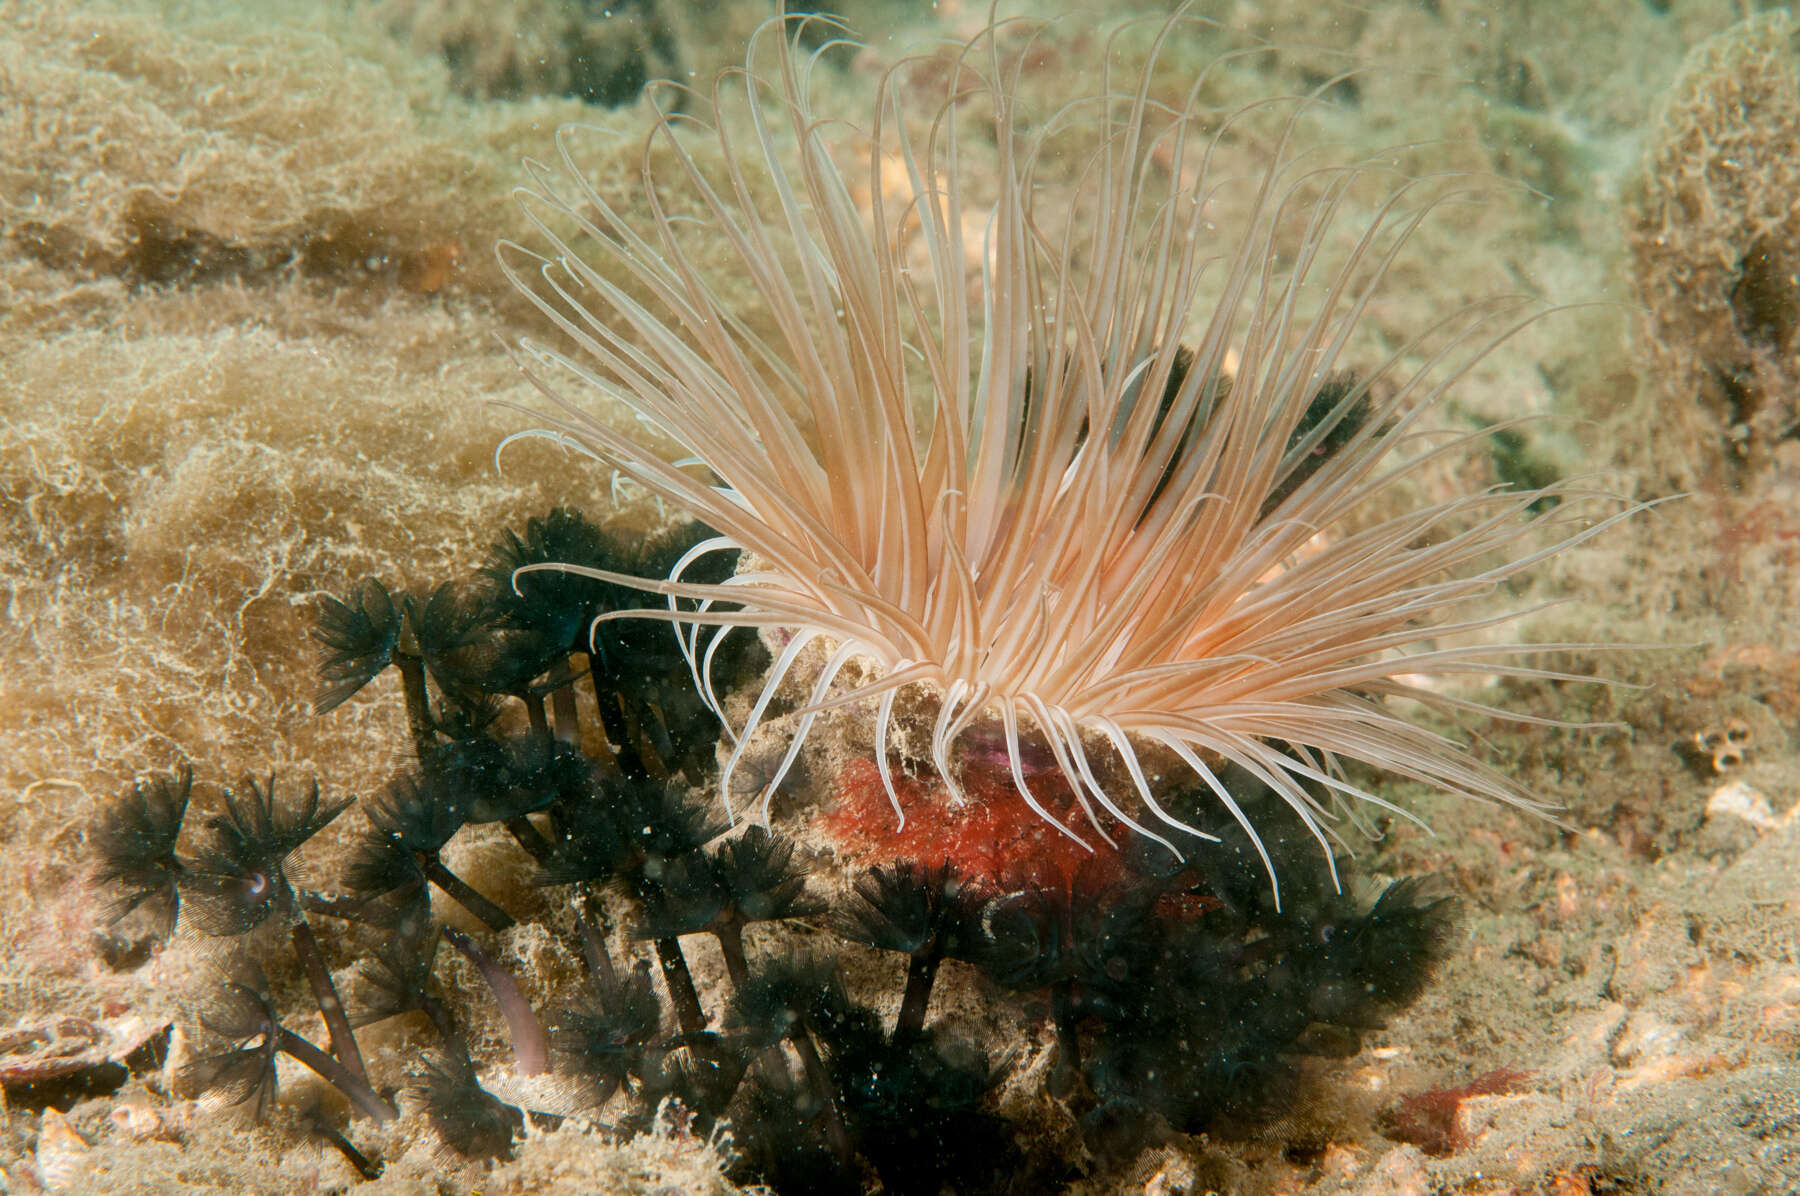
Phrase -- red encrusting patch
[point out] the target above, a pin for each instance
(990, 836)
(1433, 1120)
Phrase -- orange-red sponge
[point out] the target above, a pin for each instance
(990, 835)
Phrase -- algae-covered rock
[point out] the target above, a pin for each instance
(600, 53)
(1714, 233)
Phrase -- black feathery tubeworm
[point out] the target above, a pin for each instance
(243, 1014)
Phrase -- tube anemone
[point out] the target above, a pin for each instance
(1081, 466)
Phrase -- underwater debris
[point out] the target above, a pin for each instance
(50, 1061)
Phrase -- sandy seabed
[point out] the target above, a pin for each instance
(251, 352)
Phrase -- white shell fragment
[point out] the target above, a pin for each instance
(1738, 800)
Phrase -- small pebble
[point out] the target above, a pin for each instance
(1738, 800)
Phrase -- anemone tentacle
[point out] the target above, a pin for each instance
(1075, 506)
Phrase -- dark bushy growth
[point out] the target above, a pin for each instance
(360, 635)
(1206, 1013)
(244, 1071)
(613, 1033)
(243, 1014)
(468, 1120)
(1177, 990)
(134, 847)
(239, 876)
